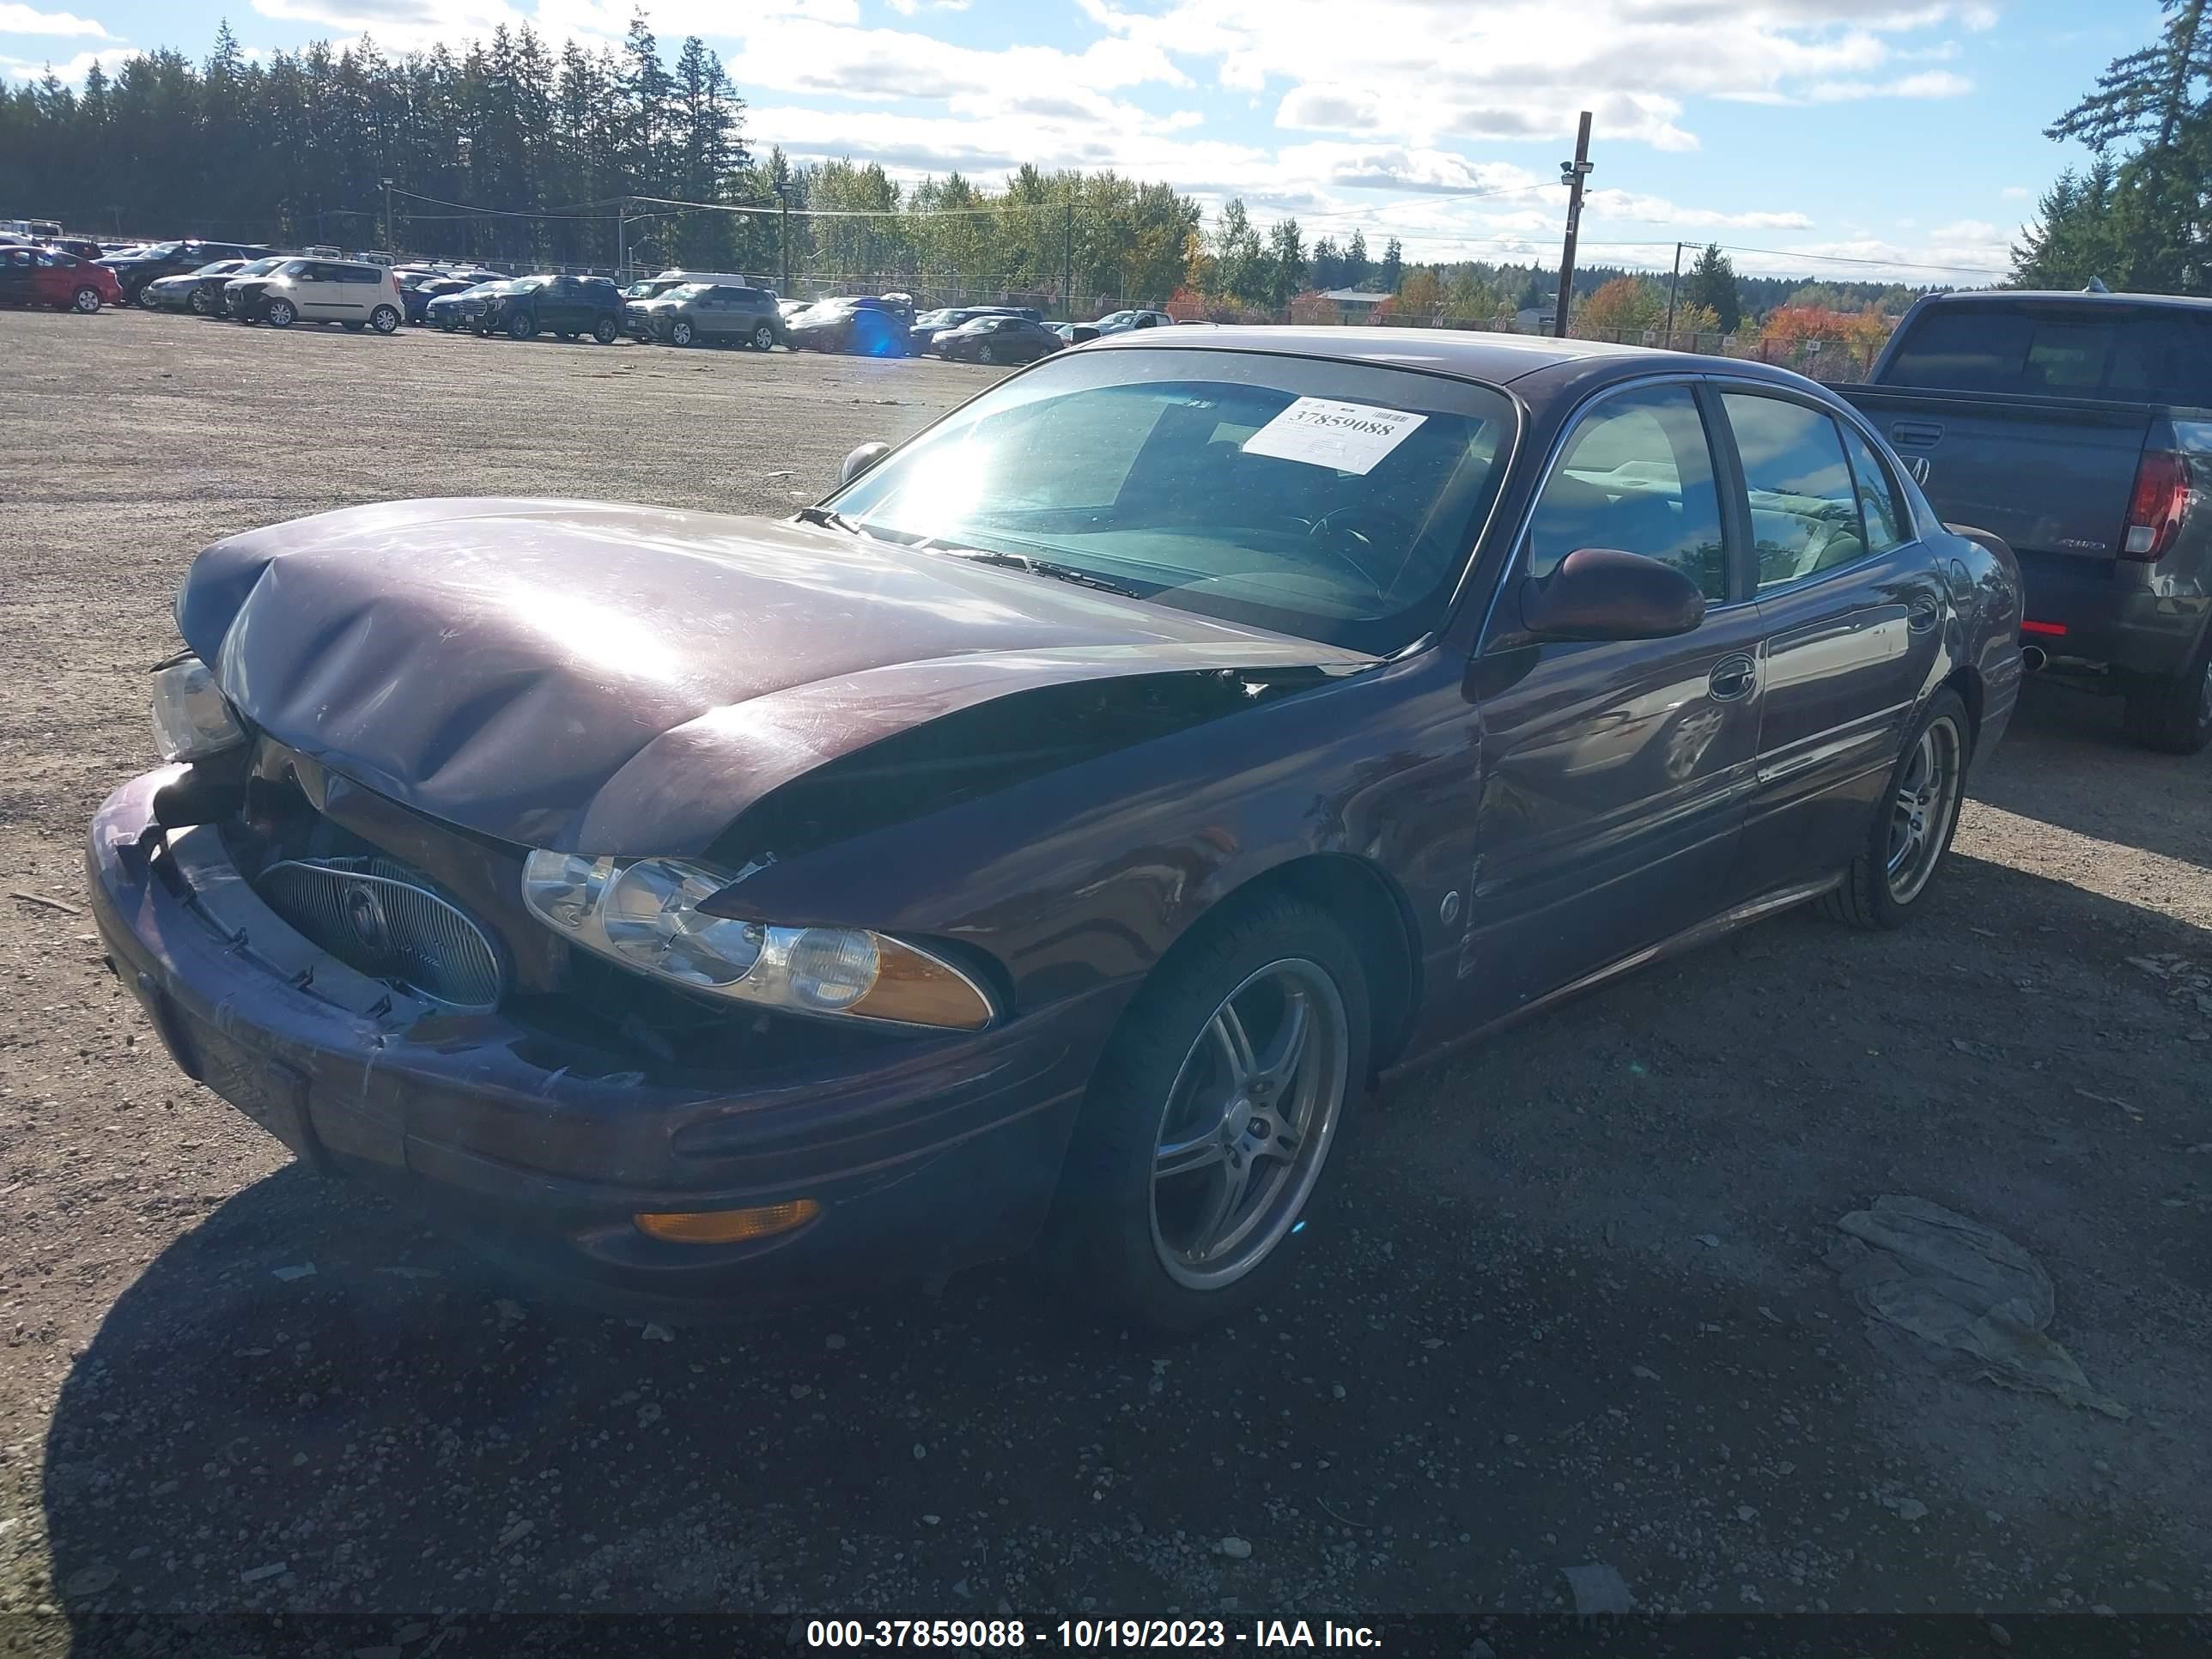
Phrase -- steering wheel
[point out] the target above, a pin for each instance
(1384, 524)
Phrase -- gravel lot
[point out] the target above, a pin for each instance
(1567, 1303)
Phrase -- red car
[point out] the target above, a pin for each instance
(40, 277)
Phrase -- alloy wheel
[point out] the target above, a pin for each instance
(87, 300)
(1927, 800)
(1248, 1124)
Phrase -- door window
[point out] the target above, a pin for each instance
(1636, 476)
(1887, 523)
(1804, 506)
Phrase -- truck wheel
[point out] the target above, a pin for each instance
(605, 330)
(521, 325)
(2174, 716)
(679, 332)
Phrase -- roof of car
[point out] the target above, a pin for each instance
(2072, 296)
(1497, 359)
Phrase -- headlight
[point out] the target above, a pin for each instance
(644, 913)
(192, 718)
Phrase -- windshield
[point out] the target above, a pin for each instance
(1336, 502)
(687, 291)
(259, 268)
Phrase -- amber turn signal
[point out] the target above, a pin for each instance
(727, 1226)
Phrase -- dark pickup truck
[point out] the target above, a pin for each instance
(2076, 427)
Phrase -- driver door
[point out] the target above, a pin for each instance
(1616, 774)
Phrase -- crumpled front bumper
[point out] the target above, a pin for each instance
(923, 1155)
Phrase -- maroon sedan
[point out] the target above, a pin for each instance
(41, 276)
(1053, 834)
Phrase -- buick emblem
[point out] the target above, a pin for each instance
(364, 914)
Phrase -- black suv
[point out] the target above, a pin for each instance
(172, 260)
(563, 306)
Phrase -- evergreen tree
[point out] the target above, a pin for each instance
(1357, 265)
(1391, 272)
(1287, 263)
(1711, 284)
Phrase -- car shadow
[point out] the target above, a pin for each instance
(2065, 762)
(1498, 1360)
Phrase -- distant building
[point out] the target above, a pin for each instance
(1353, 304)
(1535, 320)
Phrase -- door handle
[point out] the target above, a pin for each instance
(1916, 435)
(1732, 678)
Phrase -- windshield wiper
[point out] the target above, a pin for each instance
(1059, 573)
(831, 517)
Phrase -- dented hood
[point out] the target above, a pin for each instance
(626, 679)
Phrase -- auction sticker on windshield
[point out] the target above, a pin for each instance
(1322, 432)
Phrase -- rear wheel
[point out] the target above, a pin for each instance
(1208, 1123)
(521, 325)
(86, 299)
(606, 331)
(764, 337)
(2174, 715)
(143, 297)
(280, 313)
(1911, 829)
(385, 319)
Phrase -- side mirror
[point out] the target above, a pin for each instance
(860, 460)
(1916, 468)
(1600, 593)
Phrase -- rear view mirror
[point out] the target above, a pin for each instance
(1602, 593)
(863, 458)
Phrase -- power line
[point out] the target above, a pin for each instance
(1846, 259)
(499, 213)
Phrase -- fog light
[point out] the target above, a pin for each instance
(727, 1226)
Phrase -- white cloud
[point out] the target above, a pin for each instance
(1625, 205)
(1928, 83)
(70, 73)
(2016, 193)
(15, 19)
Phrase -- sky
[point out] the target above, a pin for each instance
(1804, 135)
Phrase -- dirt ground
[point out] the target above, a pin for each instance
(1567, 1303)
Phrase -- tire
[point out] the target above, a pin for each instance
(521, 325)
(142, 297)
(1874, 893)
(85, 301)
(987, 354)
(764, 337)
(606, 331)
(280, 313)
(385, 319)
(200, 304)
(2173, 716)
(1131, 1239)
(679, 333)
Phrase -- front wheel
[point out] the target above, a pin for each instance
(385, 319)
(986, 355)
(679, 332)
(606, 331)
(202, 305)
(764, 337)
(280, 313)
(85, 300)
(1912, 828)
(2174, 715)
(521, 325)
(1207, 1125)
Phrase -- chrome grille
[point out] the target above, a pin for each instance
(380, 918)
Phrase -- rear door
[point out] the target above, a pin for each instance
(1616, 774)
(358, 290)
(1851, 609)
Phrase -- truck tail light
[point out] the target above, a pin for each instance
(2161, 496)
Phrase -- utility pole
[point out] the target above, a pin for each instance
(390, 246)
(783, 234)
(1572, 174)
(621, 238)
(1067, 255)
(1671, 283)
